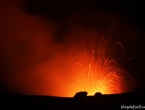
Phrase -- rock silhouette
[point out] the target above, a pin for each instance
(98, 94)
(81, 94)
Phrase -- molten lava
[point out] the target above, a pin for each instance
(93, 70)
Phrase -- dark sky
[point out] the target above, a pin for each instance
(36, 31)
(57, 9)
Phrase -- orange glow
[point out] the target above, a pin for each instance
(93, 70)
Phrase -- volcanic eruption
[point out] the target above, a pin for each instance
(92, 68)
(41, 55)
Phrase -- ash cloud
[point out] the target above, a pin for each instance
(26, 42)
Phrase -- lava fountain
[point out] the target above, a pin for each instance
(92, 69)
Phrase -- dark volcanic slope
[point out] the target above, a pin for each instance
(101, 102)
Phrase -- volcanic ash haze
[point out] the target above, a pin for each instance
(32, 60)
(29, 54)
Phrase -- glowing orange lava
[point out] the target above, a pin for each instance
(93, 70)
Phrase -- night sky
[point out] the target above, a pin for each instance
(35, 34)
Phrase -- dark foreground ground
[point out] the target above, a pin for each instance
(98, 102)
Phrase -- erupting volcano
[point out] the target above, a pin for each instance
(92, 69)
(55, 53)
(47, 53)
